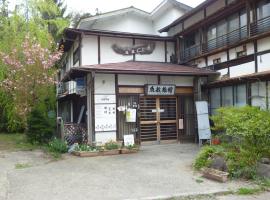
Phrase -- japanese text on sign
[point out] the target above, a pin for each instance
(162, 90)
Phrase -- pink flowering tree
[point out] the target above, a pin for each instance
(31, 72)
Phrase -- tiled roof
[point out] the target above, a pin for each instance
(131, 67)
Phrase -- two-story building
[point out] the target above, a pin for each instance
(233, 38)
(133, 72)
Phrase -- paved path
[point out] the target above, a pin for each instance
(155, 172)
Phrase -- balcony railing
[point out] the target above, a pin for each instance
(219, 42)
(225, 40)
(260, 26)
(190, 52)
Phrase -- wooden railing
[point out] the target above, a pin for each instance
(222, 41)
(260, 26)
(225, 40)
(190, 52)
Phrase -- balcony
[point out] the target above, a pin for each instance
(225, 40)
(260, 26)
(190, 52)
(66, 88)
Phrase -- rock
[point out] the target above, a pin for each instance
(265, 161)
(219, 163)
(263, 170)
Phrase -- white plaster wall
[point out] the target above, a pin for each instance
(89, 50)
(264, 62)
(200, 63)
(222, 55)
(214, 7)
(233, 51)
(128, 22)
(103, 137)
(107, 54)
(158, 54)
(175, 29)
(177, 80)
(244, 69)
(263, 44)
(136, 79)
(223, 72)
(170, 50)
(194, 19)
(104, 84)
(167, 17)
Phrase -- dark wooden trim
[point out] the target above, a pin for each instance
(249, 93)
(233, 62)
(165, 50)
(99, 51)
(267, 95)
(80, 47)
(255, 55)
(117, 104)
(134, 55)
(93, 106)
(159, 79)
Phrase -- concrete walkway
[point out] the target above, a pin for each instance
(155, 172)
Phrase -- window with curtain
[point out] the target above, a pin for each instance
(240, 95)
(263, 9)
(258, 94)
(227, 96)
(215, 99)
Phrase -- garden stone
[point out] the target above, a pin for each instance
(219, 163)
(265, 161)
(263, 170)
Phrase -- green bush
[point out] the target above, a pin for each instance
(40, 130)
(58, 146)
(249, 130)
(111, 145)
(250, 125)
(85, 147)
(205, 155)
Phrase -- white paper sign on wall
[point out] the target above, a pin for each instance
(129, 140)
(131, 115)
(105, 117)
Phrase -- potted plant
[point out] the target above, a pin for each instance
(111, 148)
(130, 149)
(85, 150)
(216, 140)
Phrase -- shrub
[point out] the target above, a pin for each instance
(250, 125)
(58, 146)
(85, 147)
(111, 145)
(205, 155)
(40, 129)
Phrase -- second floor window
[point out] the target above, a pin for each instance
(263, 9)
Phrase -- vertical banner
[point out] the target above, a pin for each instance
(203, 120)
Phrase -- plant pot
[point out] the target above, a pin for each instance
(86, 153)
(110, 152)
(216, 175)
(216, 141)
(128, 151)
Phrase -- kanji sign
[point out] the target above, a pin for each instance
(160, 90)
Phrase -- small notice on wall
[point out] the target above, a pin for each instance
(128, 140)
(131, 115)
(105, 117)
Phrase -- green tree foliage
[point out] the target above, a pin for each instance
(13, 30)
(51, 13)
(249, 125)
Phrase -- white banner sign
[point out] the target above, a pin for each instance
(105, 119)
(160, 90)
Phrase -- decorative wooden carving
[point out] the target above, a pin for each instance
(142, 49)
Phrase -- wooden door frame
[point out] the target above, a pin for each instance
(158, 121)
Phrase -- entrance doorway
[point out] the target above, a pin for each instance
(158, 119)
